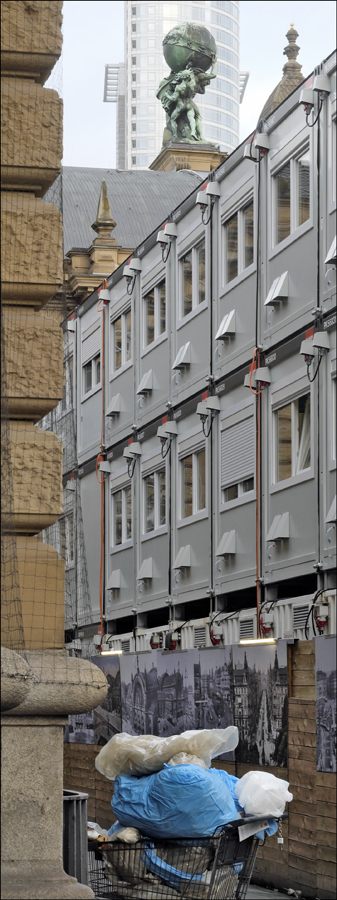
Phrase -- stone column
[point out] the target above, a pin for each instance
(41, 685)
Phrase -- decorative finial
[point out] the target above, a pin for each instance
(292, 49)
(104, 223)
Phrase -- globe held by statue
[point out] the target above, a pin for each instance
(189, 45)
(189, 50)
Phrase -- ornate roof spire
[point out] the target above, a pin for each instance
(104, 223)
(292, 75)
(291, 51)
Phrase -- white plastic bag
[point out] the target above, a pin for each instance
(184, 759)
(126, 754)
(262, 794)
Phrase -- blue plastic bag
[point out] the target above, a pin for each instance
(231, 781)
(178, 801)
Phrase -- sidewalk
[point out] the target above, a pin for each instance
(259, 893)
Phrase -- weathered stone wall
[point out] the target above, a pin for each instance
(27, 336)
(32, 390)
(31, 38)
(31, 254)
(37, 477)
(41, 583)
(31, 250)
(30, 155)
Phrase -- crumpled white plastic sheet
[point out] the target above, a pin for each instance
(184, 759)
(262, 794)
(126, 754)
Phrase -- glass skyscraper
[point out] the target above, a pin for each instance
(145, 26)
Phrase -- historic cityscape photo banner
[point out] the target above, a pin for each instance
(163, 693)
(167, 693)
(325, 654)
(100, 724)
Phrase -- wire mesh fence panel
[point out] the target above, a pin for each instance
(45, 580)
(12, 634)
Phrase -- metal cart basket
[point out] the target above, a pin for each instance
(212, 868)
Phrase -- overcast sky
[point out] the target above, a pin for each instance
(94, 35)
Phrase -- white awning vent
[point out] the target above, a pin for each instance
(278, 291)
(183, 558)
(331, 517)
(146, 569)
(125, 646)
(146, 384)
(227, 544)
(114, 407)
(279, 530)
(183, 357)
(114, 581)
(227, 326)
(331, 255)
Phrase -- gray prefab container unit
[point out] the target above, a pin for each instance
(257, 278)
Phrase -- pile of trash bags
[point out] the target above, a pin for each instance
(166, 790)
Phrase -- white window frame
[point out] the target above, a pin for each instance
(126, 363)
(68, 399)
(126, 542)
(196, 447)
(291, 152)
(290, 389)
(53, 536)
(243, 271)
(93, 329)
(158, 528)
(158, 336)
(96, 385)
(229, 418)
(196, 306)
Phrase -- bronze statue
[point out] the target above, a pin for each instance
(189, 50)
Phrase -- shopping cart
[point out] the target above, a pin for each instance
(212, 868)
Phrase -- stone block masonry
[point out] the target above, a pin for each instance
(31, 38)
(45, 685)
(37, 477)
(30, 156)
(31, 229)
(33, 390)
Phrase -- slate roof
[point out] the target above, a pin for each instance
(139, 201)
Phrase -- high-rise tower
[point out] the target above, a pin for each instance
(145, 25)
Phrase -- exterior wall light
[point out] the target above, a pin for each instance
(130, 272)
(207, 410)
(165, 238)
(206, 199)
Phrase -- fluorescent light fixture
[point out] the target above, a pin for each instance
(111, 652)
(258, 641)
